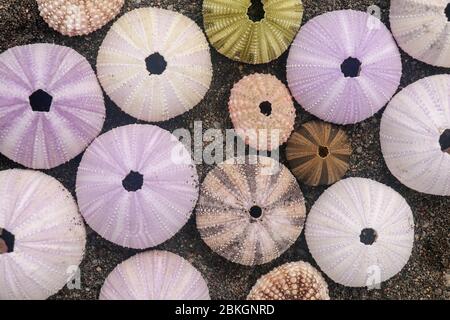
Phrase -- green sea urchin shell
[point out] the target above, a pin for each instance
(231, 31)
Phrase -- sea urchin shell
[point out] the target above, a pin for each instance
(291, 281)
(262, 111)
(155, 275)
(415, 135)
(42, 235)
(344, 66)
(137, 186)
(232, 31)
(51, 105)
(155, 64)
(319, 153)
(78, 17)
(360, 232)
(422, 29)
(250, 210)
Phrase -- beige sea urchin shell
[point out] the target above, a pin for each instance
(262, 111)
(78, 17)
(251, 210)
(291, 281)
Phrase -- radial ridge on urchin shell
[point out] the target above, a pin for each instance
(415, 135)
(344, 66)
(51, 105)
(250, 210)
(137, 186)
(422, 29)
(291, 281)
(262, 111)
(42, 235)
(155, 64)
(360, 232)
(155, 275)
(78, 17)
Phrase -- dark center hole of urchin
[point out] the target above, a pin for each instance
(7, 240)
(133, 181)
(351, 67)
(266, 108)
(255, 212)
(256, 11)
(447, 11)
(368, 236)
(444, 141)
(156, 64)
(323, 151)
(40, 101)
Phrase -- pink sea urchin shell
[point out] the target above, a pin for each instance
(344, 66)
(51, 105)
(155, 275)
(155, 64)
(262, 110)
(43, 232)
(250, 210)
(137, 186)
(78, 17)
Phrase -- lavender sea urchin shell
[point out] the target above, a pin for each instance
(137, 185)
(155, 275)
(262, 111)
(360, 232)
(51, 105)
(42, 233)
(78, 17)
(155, 64)
(415, 135)
(250, 210)
(344, 66)
(291, 281)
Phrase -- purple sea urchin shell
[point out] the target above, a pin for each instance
(51, 105)
(415, 135)
(344, 66)
(43, 232)
(137, 186)
(155, 64)
(250, 210)
(360, 232)
(155, 275)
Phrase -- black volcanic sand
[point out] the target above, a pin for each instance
(426, 275)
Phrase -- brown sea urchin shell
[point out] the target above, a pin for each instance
(319, 153)
(262, 111)
(291, 281)
(78, 17)
(250, 210)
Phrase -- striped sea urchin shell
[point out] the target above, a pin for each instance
(291, 281)
(422, 29)
(231, 31)
(42, 232)
(51, 105)
(155, 64)
(78, 17)
(155, 275)
(415, 135)
(360, 232)
(344, 66)
(137, 186)
(319, 153)
(250, 210)
(262, 111)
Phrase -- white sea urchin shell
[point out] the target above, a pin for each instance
(47, 235)
(415, 135)
(360, 232)
(155, 64)
(155, 275)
